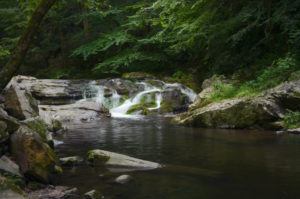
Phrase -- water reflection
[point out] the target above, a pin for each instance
(201, 163)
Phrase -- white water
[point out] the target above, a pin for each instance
(119, 107)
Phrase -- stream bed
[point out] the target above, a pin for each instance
(199, 163)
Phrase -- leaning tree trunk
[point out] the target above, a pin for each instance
(18, 55)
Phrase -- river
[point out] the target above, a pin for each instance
(199, 163)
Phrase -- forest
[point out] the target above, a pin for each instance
(186, 66)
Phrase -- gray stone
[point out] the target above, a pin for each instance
(294, 131)
(110, 159)
(123, 179)
(19, 102)
(8, 166)
(81, 110)
(93, 194)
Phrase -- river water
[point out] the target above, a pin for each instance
(199, 163)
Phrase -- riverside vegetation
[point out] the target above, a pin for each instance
(139, 58)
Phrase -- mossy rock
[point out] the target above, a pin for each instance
(36, 159)
(96, 159)
(38, 125)
(4, 135)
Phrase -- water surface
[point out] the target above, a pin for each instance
(200, 163)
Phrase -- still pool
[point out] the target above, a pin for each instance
(199, 163)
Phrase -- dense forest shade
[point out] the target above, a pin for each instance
(250, 40)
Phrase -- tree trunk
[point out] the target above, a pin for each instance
(24, 42)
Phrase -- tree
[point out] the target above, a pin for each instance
(12, 66)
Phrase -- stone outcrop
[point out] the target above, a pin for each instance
(100, 157)
(260, 112)
(81, 110)
(35, 158)
(19, 102)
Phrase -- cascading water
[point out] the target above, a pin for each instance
(120, 107)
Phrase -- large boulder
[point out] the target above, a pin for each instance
(19, 102)
(35, 158)
(100, 157)
(233, 113)
(261, 111)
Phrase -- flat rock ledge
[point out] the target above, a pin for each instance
(114, 160)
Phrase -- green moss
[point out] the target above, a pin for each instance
(96, 159)
(39, 126)
(138, 107)
(292, 120)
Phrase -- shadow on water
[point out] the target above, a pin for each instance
(200, 163)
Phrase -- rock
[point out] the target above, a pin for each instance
(4, 135)
(57, 192)
(294, 131)
(93, 194)
(11, 123)
(8, 166)
(122, 86)
(71, 161)
(81, 110)
(123, 179)
(173, 100)
(37, 125)
(110, 159)
(35, 158)
(263, 111)
(19, 102)
(233, 113)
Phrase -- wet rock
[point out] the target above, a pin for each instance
(110, 159)
(233, 113)
(81, 110)
(8, 166)
(11, 123)
(123, 179)
(71, 161)
(173, 100)
(19, 102)
(122, 86)
(35, 158)
(294, 131)
(58, 192)
(93, 194)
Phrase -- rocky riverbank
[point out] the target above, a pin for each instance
(266, 110)
(31, 110)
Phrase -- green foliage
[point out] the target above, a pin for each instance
(292, 120)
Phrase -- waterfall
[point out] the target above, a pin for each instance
(151, 94)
